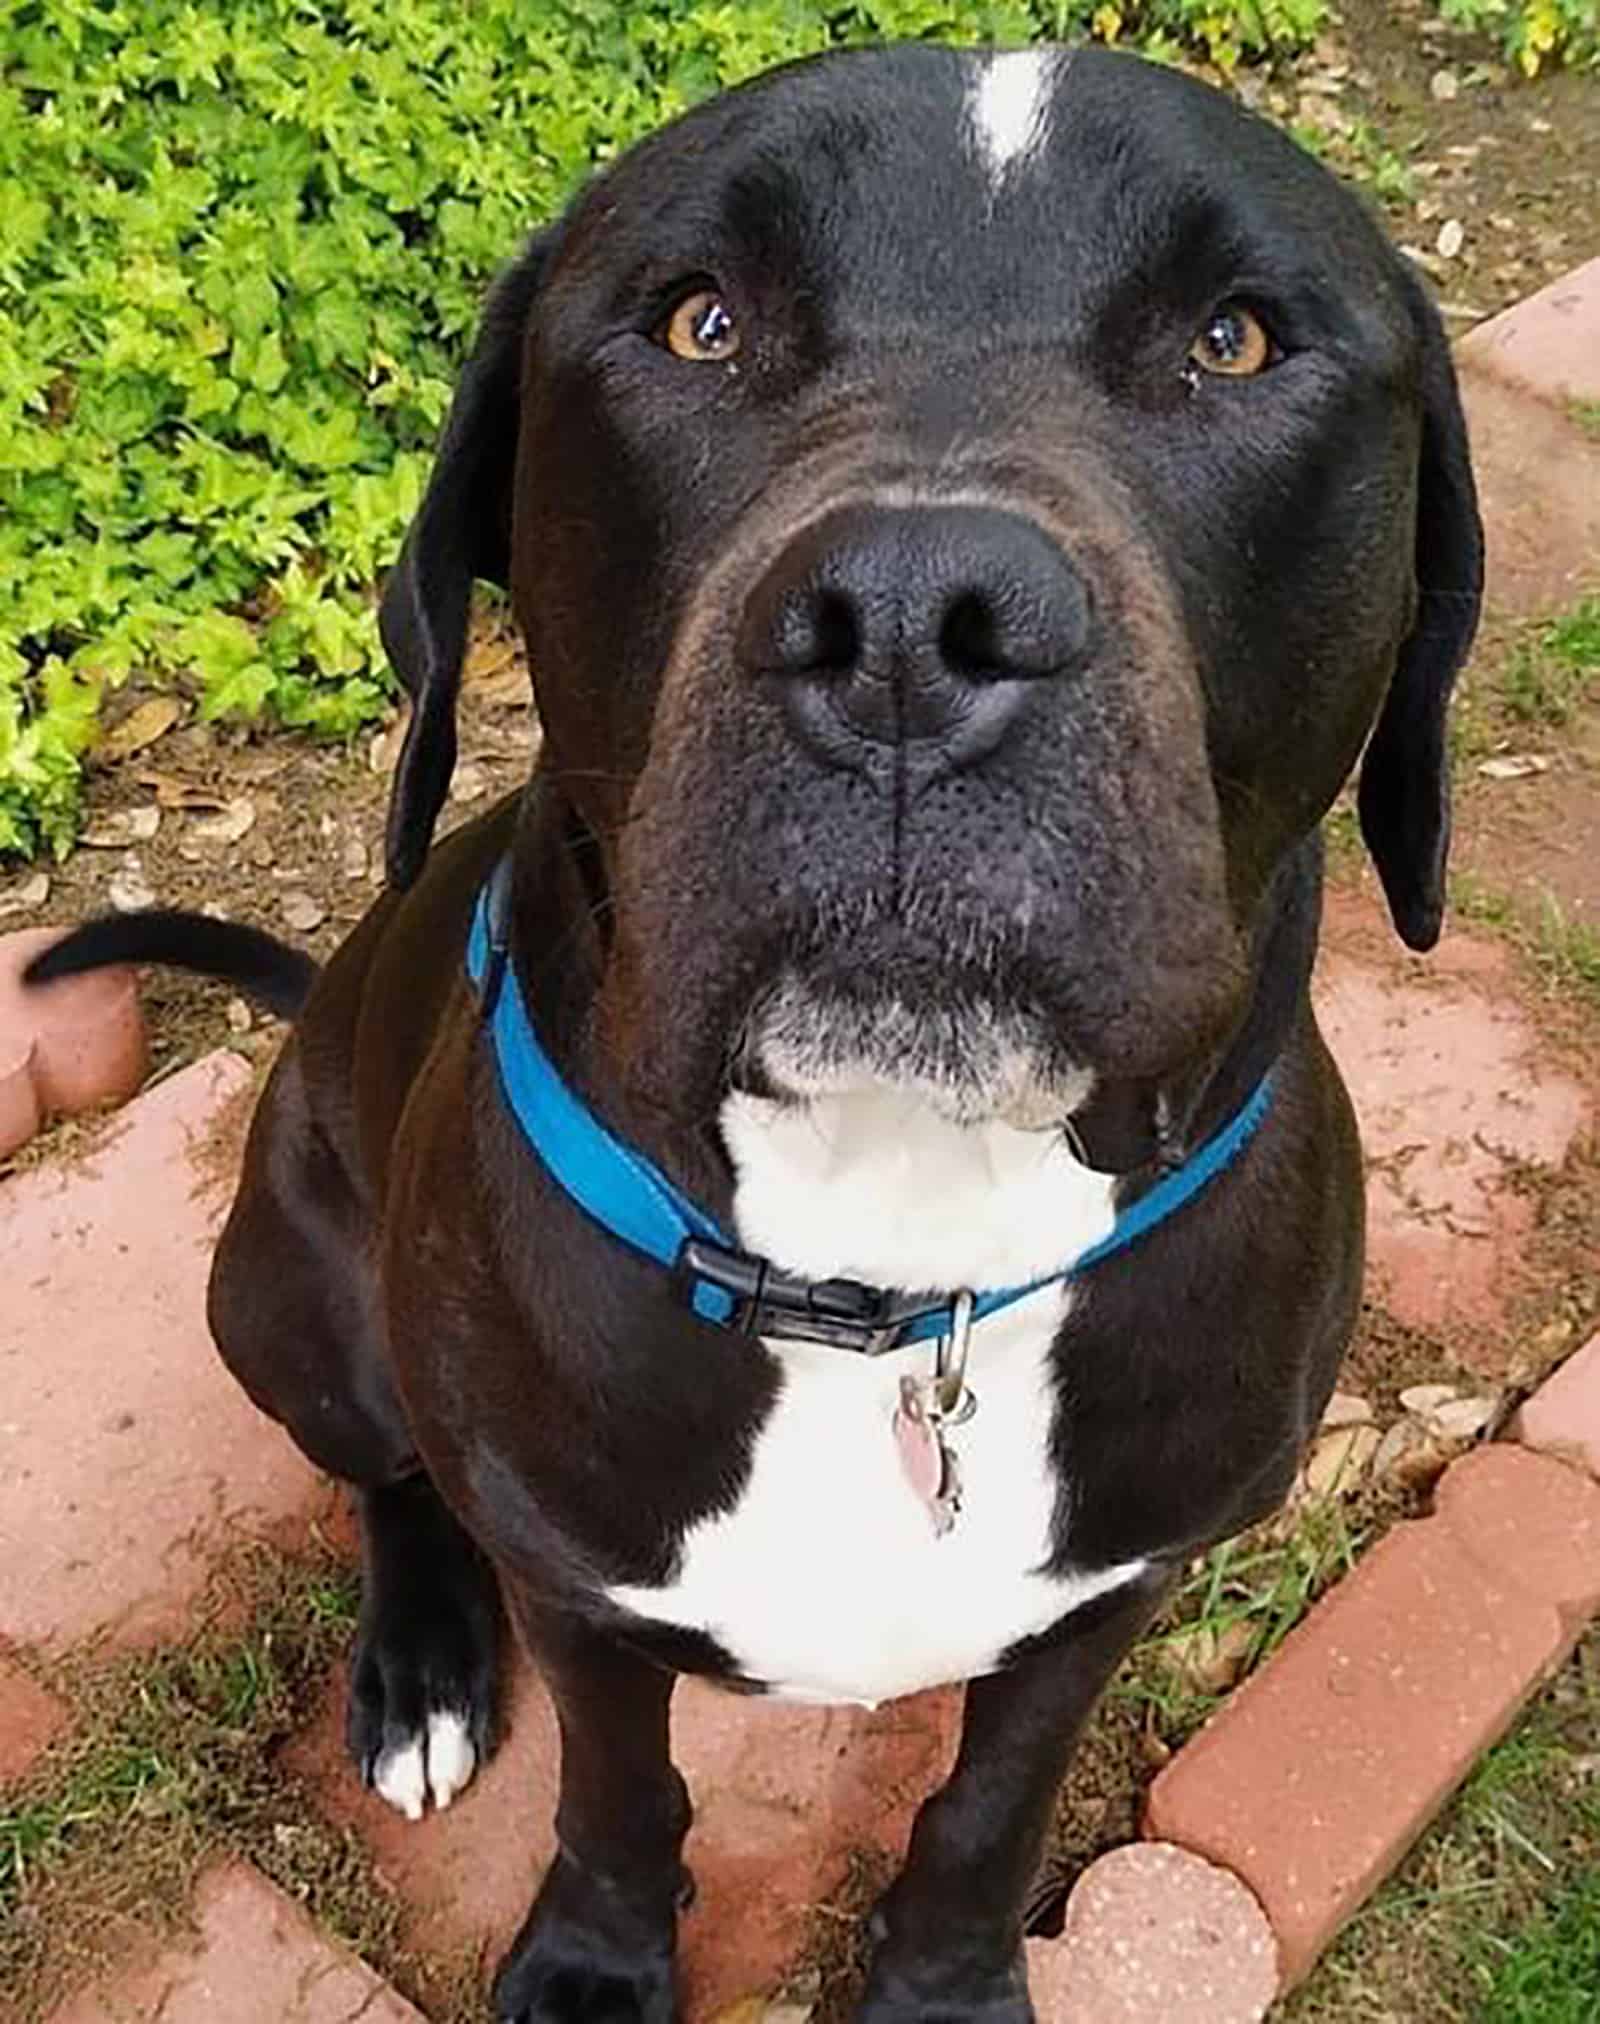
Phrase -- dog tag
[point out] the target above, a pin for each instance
(928, 1461)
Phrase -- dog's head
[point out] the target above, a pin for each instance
(967, 513)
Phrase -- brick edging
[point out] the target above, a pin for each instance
(1311, 1782)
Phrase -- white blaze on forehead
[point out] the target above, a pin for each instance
(1008, 105)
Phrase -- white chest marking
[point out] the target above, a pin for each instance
(827, 1579)
(1008, 107)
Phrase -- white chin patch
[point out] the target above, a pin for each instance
(439, 1760)
(975, 1065)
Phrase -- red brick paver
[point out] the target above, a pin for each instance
(781, 1794)
(126, 1449)
(1323, 1767)
(258, 1960)
(29, 1719)
(1563, 1416)
(1548, 343)
(1156, 1935)
(66, 1046)
(1450, 1086)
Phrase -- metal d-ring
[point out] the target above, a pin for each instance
(954, 1402)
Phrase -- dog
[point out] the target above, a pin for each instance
(836, 1185)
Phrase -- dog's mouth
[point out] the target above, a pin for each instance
(969, 1058)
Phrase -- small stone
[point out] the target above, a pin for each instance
(26, 894)
(1444, 85)
(1423, 1398)
(1346, 1409)
(303, 913)
(231, 826)
(130, 891)
(1452, 236)
(118, 827)
(1340, 1459)
(261, 854)
(353, 859)
(239, 1016)
(1514, 766)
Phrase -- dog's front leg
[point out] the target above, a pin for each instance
(949, 1929)
(598, 1945)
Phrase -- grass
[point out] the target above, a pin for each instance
(1586, 414)
(172, 1761)
(1494, 1918)
(1235, 1606)
(1550, 673)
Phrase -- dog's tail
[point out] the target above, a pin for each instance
(255, 962)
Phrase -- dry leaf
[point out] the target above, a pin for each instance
(383, 754)
(470, 782)
(1210, 1660)
(303, 913)
(1514, 766)
(143, 725)
(118, 827)
(1424, 1398)
(1461, 1419)
(130, 891)
(30, 892)
(487, 659)
(231, 826)
(1339, 1460)
(1346, 1409)
(508, 690)
(172, 792)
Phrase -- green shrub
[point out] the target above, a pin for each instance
(1529, 31)
(241, 248)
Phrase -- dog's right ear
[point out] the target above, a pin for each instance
(462, 530)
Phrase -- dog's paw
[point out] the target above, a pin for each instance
(585, 1955)
(422, 1701)
(956, 1989)
(436, 1761)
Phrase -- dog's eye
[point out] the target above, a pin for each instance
(701, 328)
(1233, 343)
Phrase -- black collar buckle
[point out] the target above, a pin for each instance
(843, 1313)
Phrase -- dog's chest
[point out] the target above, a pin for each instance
(828, 1578)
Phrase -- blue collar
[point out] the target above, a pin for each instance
(631, 1198)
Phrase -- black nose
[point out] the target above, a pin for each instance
(901, 623)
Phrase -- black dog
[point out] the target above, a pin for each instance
(966, 513)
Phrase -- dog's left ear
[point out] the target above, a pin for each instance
(462, 530)
(1404, 797)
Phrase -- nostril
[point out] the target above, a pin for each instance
(818, 632)
(968, 642)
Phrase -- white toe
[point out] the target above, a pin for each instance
(452, 1758)
(401, 1780)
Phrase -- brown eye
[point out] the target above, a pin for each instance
(1233, 343)
(701, 328)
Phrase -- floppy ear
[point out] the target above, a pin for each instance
(1404, 797)
(462, 530)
